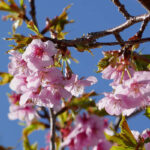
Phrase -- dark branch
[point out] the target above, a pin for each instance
(75, 43)
(33, 12)
(145, 3)
(127, 24)
(61, 111)
(122, 9)
(143, 27)
(52, 129)
(117, 122)
(135, 113)
(118, 119)
(119, 38)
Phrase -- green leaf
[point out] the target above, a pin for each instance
(4, 6)
(21, 3)
(147, 112)
(10, 8)
(125, 138)
(122, 148)
(33, 28)
(126, 132)
(34, 126)
(28, 130)
(83, 102)
(21, 41)
(96, 111)
(57, 25)
(142, 62)
(6, 78)
(110, 58)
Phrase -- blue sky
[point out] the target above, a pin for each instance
(89, 16)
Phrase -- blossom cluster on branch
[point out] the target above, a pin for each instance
(48, 95)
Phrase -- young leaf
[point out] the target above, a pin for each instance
(6, 78)
(124, 139)
(147, 112)
(21, 41)
(33, 28)
(142, 62)
(57, 25)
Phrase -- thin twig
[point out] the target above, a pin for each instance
(119, 38)
(117, 122)
(33, 12)
(61, 111)
(143, 27)
(127, 24)
(135, 113)
(52, 129)
(122, 9)
(118, 119)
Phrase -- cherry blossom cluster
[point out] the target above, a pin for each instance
(38, 81)
(131, 89)
(25, 112)
(88, 132)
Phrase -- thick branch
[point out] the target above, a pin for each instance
(52, 129)
(90, 39)
(121, 9)
(145, 3)
(33, 12)
(75, 43)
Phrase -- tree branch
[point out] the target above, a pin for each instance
(127, 24)
(135, 113)
(122, 9)
(61, 111)
(143, 27)
(117, 122)
(90, 45)
(90, 39)
(145, 3)
(52, 129)
(33, 12)
(119, 38)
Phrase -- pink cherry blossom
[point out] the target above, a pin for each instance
(128, 96)
(19, 83)
(50, 97)
(14, 98)
(87, 132)
(38, 54)
(25, 113)
(117, 73)
(17, 64)
(76, 86)
(135, 91)
(113, 105)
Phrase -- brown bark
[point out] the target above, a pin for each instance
(146, 4)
